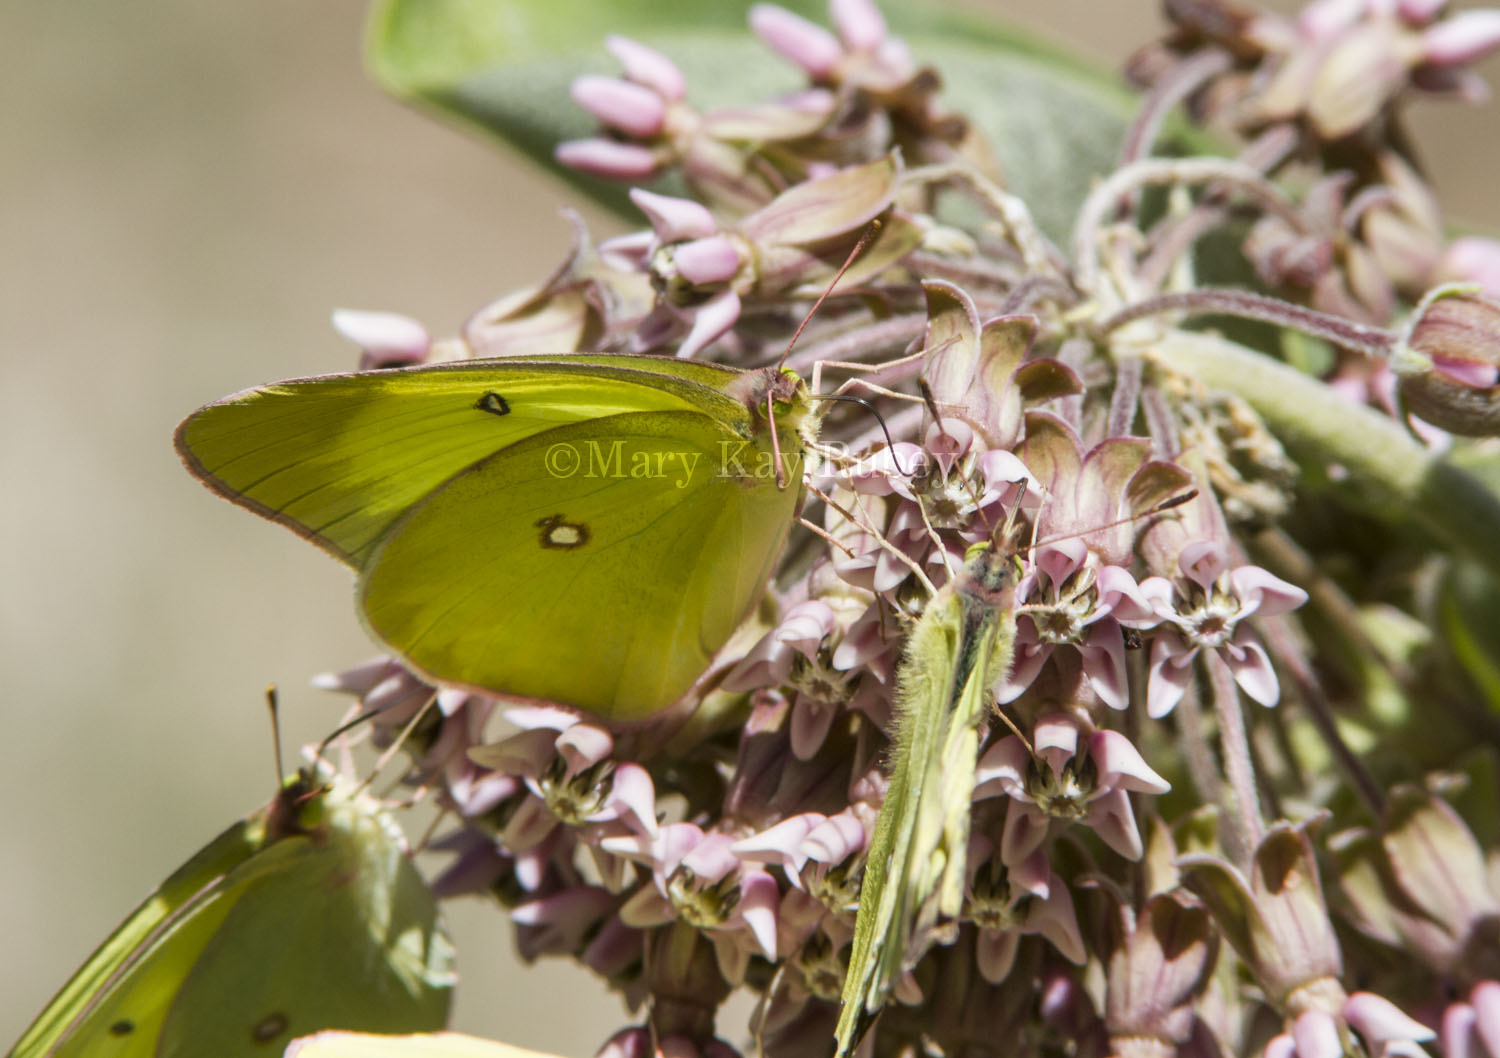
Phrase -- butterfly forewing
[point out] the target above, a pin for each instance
(587, 529)
(341, 457)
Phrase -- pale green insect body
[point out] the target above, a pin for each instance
(913, 887)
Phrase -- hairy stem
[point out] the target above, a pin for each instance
(1202, 768)
(1182, 81)
(1244, 826)
(1284, 644)
(1125, 181)
(1390, 469)
(1222, 301)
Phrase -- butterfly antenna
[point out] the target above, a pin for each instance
(273, 704)
(933, 409)
(1150, 512)
(828, 538)
(400, 741)
(283, 813)
(1009, 526)
(781, 478)
(437, 820)
(1014, 730)
(864, 240)
(859, 247)
(762, 1012)
(930, 399)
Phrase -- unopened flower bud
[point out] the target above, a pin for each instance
(633, 109)
(601, 157)
(1449, 365)
(649, 67)
(805, 43)
(860, 24)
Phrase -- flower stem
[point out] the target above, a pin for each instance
(1179, 83)
(1381, 457)
(1372, 341)
(1243, 823)
(1201, 766)
(1125, 181)
(1289, 653)
(1021, 229)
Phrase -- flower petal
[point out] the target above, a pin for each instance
(633, 109)
(1121, 765)
(608, 158)
(711, 321)
(582, 746)
(1002, 770)
(1317, 1035)
(805, 43)
(1379, 1020)
(1263, 593)
(1025, 830)
(759, 899)
(1171, 671)
(995, 953)
(386, 337)
(1111, 818)
(1104, 663)
(1252, 668)
(645, 65)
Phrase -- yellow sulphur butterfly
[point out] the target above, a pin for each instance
(306, 915)
(584, 529)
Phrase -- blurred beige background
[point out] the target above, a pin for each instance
(187, 190)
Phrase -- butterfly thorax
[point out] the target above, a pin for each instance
(988, 579)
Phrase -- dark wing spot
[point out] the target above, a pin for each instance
(559, 534)
(268, 1028)
(493, 403)
(123, 1027)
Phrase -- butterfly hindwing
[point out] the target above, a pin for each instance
(346, 936)
(604, 562)
(84, 990)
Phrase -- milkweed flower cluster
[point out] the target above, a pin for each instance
(1236, 792)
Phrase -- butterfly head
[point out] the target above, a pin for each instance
(300, 807)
